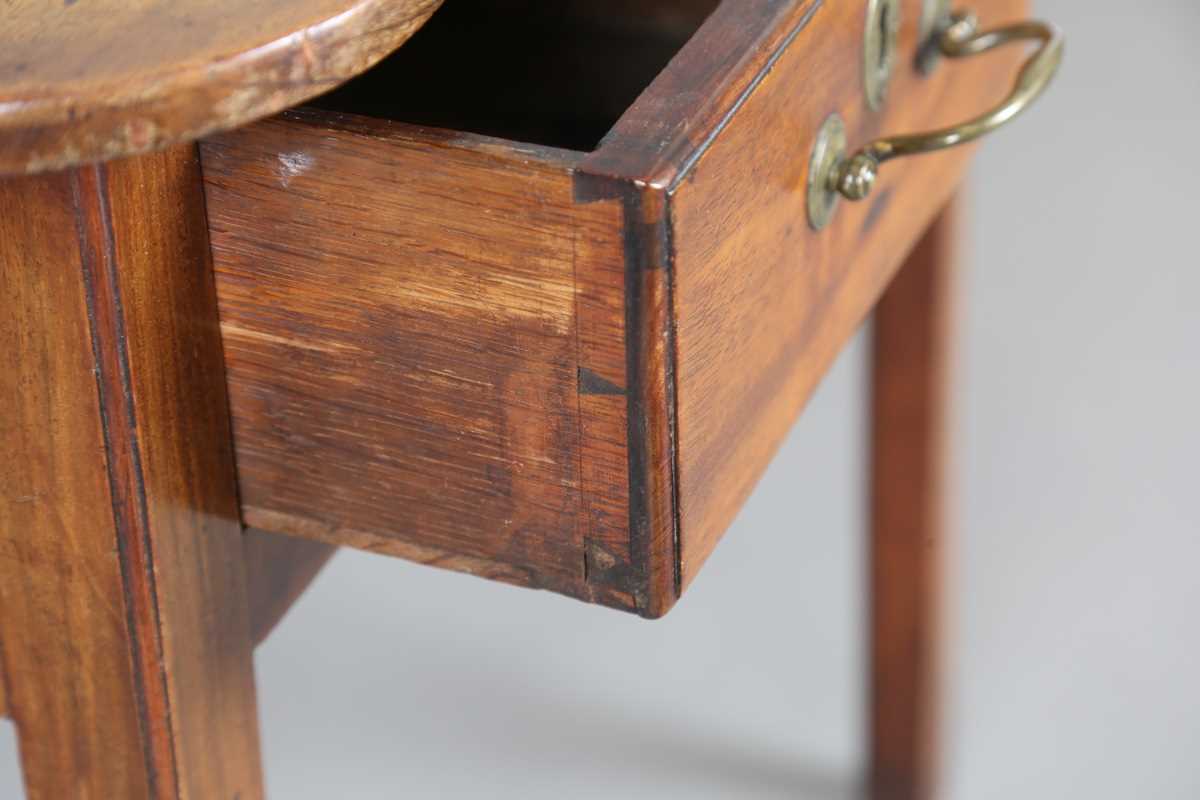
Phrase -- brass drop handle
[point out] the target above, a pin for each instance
(832, 174)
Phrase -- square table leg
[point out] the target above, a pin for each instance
(125, 638)
(912, 333)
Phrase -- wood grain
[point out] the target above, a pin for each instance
(657, 138)
(126, 652)
(762, 304)
(66, 642)
(398, 310)
(81, 82)
(913, 331)
(555, 368)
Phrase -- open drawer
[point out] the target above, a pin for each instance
(537, 299)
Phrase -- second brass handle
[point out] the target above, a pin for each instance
(854, 176)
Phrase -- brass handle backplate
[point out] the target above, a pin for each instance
(833, 174)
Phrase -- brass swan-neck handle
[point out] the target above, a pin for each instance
(853, 177)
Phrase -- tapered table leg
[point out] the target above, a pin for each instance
(912, 334)
(126, 641)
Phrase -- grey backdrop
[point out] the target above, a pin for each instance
(1074, 638)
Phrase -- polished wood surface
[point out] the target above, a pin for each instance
(645, 320)
(762, 304)
(403, 374)
(591, 531)
(126, 638)
(913, 331)
(83, 81)
(651, 147)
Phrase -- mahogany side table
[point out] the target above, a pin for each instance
(536, 298)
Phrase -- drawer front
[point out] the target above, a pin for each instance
(743, 305)
(762, 303)
(556, 368)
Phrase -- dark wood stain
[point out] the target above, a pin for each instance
(591, 383)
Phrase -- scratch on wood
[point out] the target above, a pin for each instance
(232, 331)
(293, 164)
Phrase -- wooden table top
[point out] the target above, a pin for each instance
(85, 80)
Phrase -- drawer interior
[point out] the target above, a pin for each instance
(550, 73)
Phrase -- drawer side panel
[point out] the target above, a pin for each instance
(398, 309)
